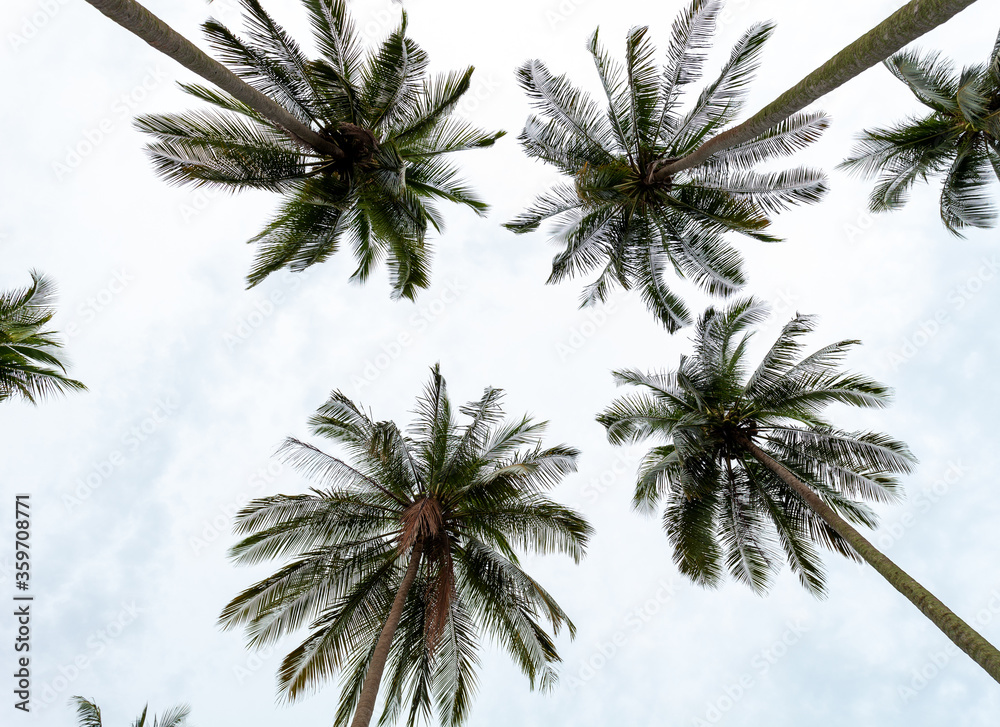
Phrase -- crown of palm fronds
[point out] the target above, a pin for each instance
(614, 215)
(89, 715)
(393, 123)
(959, 139)
(471, 495)
(29, 366)
(723, 510)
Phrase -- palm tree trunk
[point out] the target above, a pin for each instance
(963, 635)
(902, 27)
(135, 18)
(369, 688)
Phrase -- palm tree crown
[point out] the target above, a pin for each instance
(393, 124)
(29, 366)
(614, 215)
(454, 502)
(89, 715)
(723, 508)
(959, 139)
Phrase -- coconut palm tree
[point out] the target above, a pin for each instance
(959, 139)
(29, 366)
(750, 471)
(89, 715)
(409, 555)
(375, 160)
(613, 214)
(902, 27)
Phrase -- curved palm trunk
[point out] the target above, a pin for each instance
(964, 636)
(369, 689)
(135, 18)
(902, 27)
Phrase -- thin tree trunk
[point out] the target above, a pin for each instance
(369, 688)
(902, 27)
(135, 18)
(963, 635)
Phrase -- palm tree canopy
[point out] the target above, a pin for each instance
(724, 511)
(613, 215)
(959, 140)
(89, 715)
(472, 496)
(29, 366)
(393, 122)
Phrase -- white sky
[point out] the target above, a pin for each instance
(179, 423)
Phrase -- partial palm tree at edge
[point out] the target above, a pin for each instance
(959, 140)
(29, 364)
(409, 555)
(89, 715)
(750, 471)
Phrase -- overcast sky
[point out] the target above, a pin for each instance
(194, 381)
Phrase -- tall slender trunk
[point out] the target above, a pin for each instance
(135, 18)
(369, 688)
(902, 27)
(963, 635)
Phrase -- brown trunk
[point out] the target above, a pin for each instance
(902, 27)
(963, 635)
(369, 689)
(135, 18)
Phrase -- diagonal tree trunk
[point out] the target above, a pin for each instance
(963, 635)
(902, 27)
(135, 18)
(369, 688)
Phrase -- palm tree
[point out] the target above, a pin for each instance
(384, 127)
(89, 715)
(750, 470)
(959, 138)
(29, 366)
(409, 555)
(615, 214)
(902, 27)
